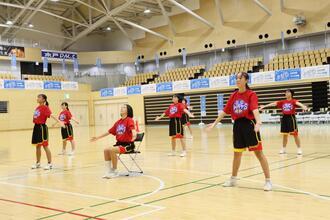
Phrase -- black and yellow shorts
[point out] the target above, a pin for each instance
(176, 128)
(289, 125)
(244, 136)
(40, 135)
(67, 132)
(125, 147)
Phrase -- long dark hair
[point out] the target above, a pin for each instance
(66, 105)
(45, 98)
(291, 91)
(246, 76)
(180, 96)
(129, 111)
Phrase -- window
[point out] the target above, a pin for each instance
(3, 107)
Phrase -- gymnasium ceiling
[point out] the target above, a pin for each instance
(81, 17)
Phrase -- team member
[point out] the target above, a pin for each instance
(66, 128)
(185, 117)
(125, 133)
(40, 131)
(243, 108)
(174, 112)
(288, 120)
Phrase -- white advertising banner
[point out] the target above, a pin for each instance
(217, 82)
(1, 83)
(315, 72)
(120, 91)
(263, 77)
(34, 84)
(181, 85)
(148, 88)
(70, 86)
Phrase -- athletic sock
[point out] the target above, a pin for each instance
(108, 166)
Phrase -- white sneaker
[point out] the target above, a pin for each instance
(299, 151)
(71, 153)
(36, 166)
(114, 174)
(282, 151)
(107, 175)
(268, 186)
(171, 153)
(62, 153)
(49, 166)
(183, 153)
(230, 183)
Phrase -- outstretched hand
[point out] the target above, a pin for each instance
(93, 139)
(209, 127)
(257, 127)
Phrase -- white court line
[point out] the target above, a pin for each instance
(143, 214)
(161, 186)
(80, 195)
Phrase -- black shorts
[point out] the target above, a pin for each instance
(289, 125)
(40, 135)
(176, 128)
(245, 137)
(125, 147)
(185, 119)
(67, 132)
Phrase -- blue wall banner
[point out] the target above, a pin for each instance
(200, 83)
(203, 105)
(13, 62)
(164, 87)
(106, 92)
(63, 67)
(134, 90)
(14, 84)
(75, 66)
(220, 102)
(188, 100)
(288, 74)
(52, 85)
(59, 55)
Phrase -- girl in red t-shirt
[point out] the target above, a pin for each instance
(175, 112)
(243, 108)
(288, 120)
(124, 130)
(65, 118)
(185, 117)
(40, 131)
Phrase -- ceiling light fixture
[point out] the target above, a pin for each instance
(9, 22)
(30, 25)
(108, 28)
(147, 11)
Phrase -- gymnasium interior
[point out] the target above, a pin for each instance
(98, 55)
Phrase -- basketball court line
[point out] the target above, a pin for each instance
(49, 208)
(209, 186)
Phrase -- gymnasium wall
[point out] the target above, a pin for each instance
(23, 102)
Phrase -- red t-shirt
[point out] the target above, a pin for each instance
(288, 106)
(41, 114)
(241, 105)
(65, 116)
(175, 110)
(122, 129)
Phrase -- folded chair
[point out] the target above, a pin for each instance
(132, 155)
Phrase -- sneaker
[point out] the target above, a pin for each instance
(230, 183)
(107, 175)
(299, 151)
(268, 186)
(282, 151)
(62, 153)
(114, 174)
(171, 153)
(36, 166)
(71, 153)
(183, 153)
(49, 166)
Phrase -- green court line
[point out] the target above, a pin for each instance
(210, 186)
(67, 212)
(187, 183)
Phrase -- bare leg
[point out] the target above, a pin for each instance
(173, 142)
(48, 154)
(183, 144)
(190, 130)
(113, 152)
(263, 162)
(297, 140)
(285, 140)
(107, 156)
(38, 153)
(64, 145)
(236, 163)
(73, 145)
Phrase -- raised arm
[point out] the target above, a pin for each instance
(304, 107)
(272, 104)
(160, 117)
(93, 139)
(189, 113)
(75, 120)
(221, 115)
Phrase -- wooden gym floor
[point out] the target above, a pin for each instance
(172, 187)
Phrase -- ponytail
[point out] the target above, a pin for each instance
(247, 77)
(66, 105)
(45, 98)
(46, 103)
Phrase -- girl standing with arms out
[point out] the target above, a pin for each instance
(288, 120)
(185, 117)
(125, 133)
(243, 108)
(174, 112)
(40, 131)
(66, 128)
